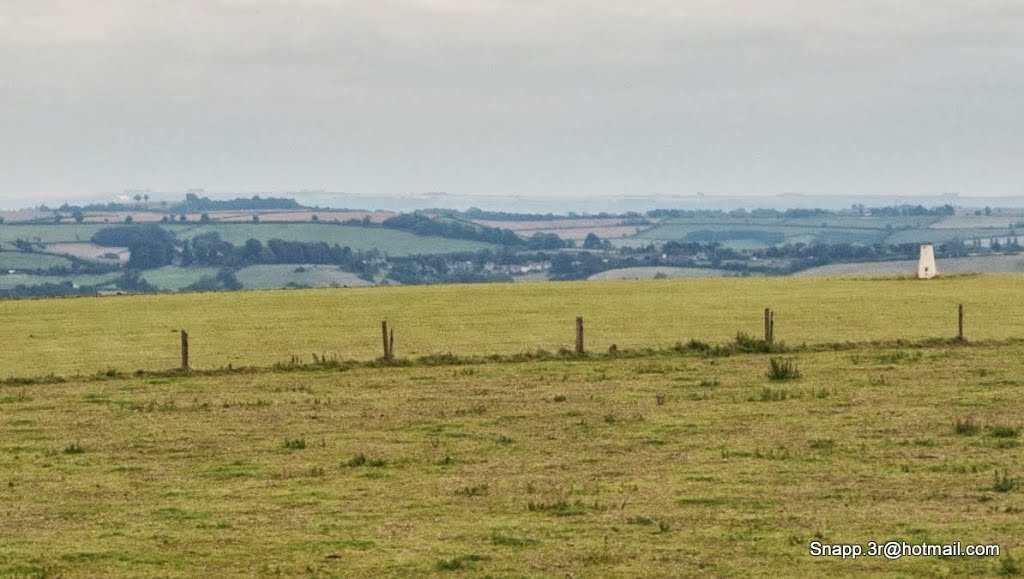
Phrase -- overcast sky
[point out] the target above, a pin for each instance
(536, 97)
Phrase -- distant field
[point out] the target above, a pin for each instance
(177, 278)
(69, 232)
(651, 272)
(759, 234)
(975, 221)
(281, 275)
(18, 260)
(263, 327)
(979, 264)
(303, 216)
(580, 233)
(943, 235)
(551, 224)
(10, 281)
(605, 228)
(390, 241)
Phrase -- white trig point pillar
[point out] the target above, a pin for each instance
(926, 264)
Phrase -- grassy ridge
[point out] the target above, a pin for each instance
(659, 466)
(262, 327)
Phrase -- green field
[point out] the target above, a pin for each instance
(53, 233)
(664, 465)
(749, 233)
(176, 278)
(389, 241)
(10, 281)
(651, 272)
(282, 275)
(18, 260)
(263, 327)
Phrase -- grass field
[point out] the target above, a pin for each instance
(749, 233)
(955, 265)
(175, 278)
(42, 233)
(281, 275)
(651, 272)
(668, 465)
(263, 327)
(18, 260)
(10, 281)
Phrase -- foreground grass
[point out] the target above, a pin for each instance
(259, 328)
(665, 465)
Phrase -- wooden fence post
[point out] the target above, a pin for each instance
(771, 327)
(579, 335)
(960, 325)
(391, 344)
(767, 325)
(387, 344)
(184, 351)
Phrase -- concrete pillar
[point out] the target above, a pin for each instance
(926, 264)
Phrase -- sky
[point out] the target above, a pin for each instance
(574, 98)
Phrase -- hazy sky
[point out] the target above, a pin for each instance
(538, 97)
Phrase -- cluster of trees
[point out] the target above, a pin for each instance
(195, 203)
(209, 249)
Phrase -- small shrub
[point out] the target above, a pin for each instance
(750, 345)
(694, 345)
(1009, 566)
(473, 491)
(664, 527)
(559, 398)
(559, 508)
(966, 427)
(1004, 431)
(1004, 483)
(361, 460)
(509, 541)
(296, 444)
(458, 563)
(826, 444)
(773, 394)
(782, 369)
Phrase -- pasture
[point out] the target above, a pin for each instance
(671, 464)
(259, 328)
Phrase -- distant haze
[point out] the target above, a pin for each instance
(581, 99)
